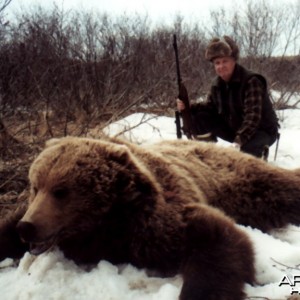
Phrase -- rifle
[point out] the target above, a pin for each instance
(187, 128)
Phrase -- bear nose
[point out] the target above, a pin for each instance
(26, 230)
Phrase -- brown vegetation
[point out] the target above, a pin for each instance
(67, 72)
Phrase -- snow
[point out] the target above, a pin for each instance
(51, 276)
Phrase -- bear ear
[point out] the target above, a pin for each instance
(133, 178)
(63, 140)
(52, 142)
(125, 156)
(118, 153)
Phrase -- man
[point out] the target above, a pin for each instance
(238, 108)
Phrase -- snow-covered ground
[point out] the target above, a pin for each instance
(51, 276)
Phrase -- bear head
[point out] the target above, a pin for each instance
(77, 185)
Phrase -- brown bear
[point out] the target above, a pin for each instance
(169, 207)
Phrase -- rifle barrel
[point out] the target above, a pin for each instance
(177, 60)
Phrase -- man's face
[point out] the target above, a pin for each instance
(224, 67)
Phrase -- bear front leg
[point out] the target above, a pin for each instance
(11, 245)
(220, 257)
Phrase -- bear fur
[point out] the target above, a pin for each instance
(171, 207)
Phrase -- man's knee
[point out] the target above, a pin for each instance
(259, 145)
(255, 151)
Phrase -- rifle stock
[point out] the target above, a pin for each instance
(178, 124)
(187, 128)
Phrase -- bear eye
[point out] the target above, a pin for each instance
(60, 193)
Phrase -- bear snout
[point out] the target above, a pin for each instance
(27, 231)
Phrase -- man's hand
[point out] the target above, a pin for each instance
(180, 105)
(236, 146)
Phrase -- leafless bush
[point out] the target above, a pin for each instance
(65, 72)
(62, 72)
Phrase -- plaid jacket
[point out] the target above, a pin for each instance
(244, 104)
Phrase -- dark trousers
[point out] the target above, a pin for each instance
(205, 122)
